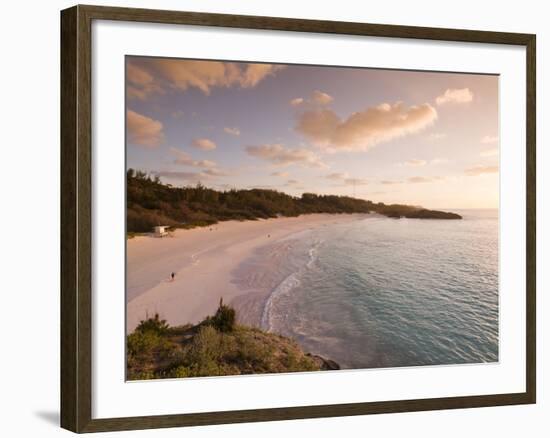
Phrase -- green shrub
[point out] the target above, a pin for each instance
(142, 343)
(205, 352)
(206, 345)
(179, 372)
(253, 356)
(154, 325)
(224, 319)
(142, 375)
(294, 362)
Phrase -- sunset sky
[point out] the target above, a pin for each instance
(418, 138)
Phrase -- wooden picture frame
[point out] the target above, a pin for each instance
(76, 217)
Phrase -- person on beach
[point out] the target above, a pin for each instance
(172, 276)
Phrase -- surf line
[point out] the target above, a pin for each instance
(286, 285)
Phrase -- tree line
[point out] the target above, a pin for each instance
(151, 203)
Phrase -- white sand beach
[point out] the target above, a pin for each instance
(203, 260)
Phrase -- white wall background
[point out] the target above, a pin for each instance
(29, 216)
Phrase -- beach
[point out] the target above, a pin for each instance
(205, 261)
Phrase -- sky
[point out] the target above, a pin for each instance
(393, 136)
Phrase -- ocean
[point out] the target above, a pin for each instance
(380, 292)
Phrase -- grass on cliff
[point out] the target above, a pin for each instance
(215, 347)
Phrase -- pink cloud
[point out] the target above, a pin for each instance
(321, 98)
(184, 159)
(364, 129)
(454, 95)
(158, 75)
(203, 143)
(297, 101)
(282, 156)
(481, 170)
(143, 130)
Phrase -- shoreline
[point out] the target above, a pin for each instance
(204, 260)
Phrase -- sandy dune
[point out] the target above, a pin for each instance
(203, 260)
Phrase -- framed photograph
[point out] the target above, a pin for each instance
(268, 218)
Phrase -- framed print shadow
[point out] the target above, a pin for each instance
(268, 219)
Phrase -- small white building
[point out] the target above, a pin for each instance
(160, 231)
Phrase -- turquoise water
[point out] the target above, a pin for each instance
(381, 292)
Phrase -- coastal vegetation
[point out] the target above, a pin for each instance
(151, 203)
(217, 346)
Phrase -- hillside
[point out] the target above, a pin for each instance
(151, 203)
(215, 347)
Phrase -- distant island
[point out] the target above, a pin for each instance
(217, 346)
(151, 203)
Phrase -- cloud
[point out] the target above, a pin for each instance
(415, 163)
(143, 130)
(140, 83)
(206, 163)
(317, 98)
(337, 176)
(182, 75)
(489, 153)
(232, 131)
(254, 73)
(388, 182)
(214, 171)
(455, 95)
(321, 98)
(481, 170)
(489, 139)
(184, 159)
(280, 174)
(424, 179)
(364, 129)
(294, 184)
(203, 143)
(346, 179)
(297, 101)
(137, 75)
(282, 156)
(418, 179)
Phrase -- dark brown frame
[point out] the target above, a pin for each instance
(76, 173)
